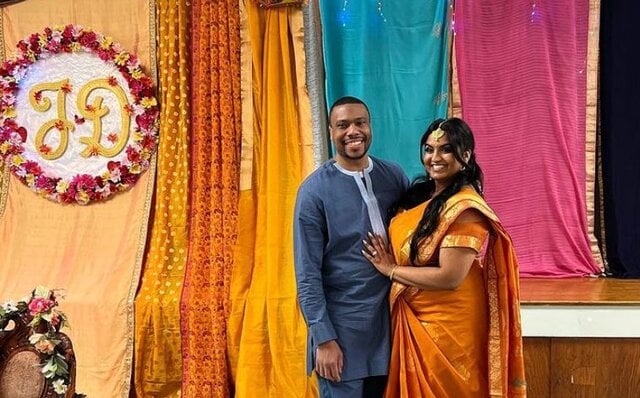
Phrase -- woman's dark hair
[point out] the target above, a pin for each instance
(461, 138)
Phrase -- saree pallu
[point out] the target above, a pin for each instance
(465, 342)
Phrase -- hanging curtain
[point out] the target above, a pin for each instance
(215, 163)
(94, 252)
(158, 357)
(267, 334)
(315, 80)
(396, 59)
(523, 82)
(620, 139)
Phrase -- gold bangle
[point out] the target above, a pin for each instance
(393, 270)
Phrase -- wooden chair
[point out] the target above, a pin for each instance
(20, 375)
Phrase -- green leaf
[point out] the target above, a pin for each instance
(42, 291)
(50, 368)
(35, 321)
(62, 367)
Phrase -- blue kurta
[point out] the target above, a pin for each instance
(341, 294)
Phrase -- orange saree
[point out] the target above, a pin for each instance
(461, 343)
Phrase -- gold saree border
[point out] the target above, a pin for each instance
(246, 100)
(591, 124)
(455, 101)
(4, 171)
(4, 184)
(137, 269)
(144, 225)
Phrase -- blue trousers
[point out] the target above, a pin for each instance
(369, 387)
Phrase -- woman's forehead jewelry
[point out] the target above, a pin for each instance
(437, 134)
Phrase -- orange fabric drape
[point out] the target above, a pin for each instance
(158, 357)
(215, 155)
(94, 252)
(267, 334)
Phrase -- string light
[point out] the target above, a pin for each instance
(345, 13)
(534, 12)
(380, 12)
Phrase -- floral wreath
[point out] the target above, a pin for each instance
(47, 319)
(118, 175)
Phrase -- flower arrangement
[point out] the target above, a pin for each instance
(119, 174)
(46, 322)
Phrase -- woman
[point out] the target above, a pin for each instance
(455, 312)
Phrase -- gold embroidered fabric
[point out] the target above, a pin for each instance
(470, 234)
(215, 165)
(94, 252)
(591, 122)
(158, 356)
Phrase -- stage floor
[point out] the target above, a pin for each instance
(590, 291)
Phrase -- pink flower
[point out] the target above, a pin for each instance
(38, 305)
(55, 319)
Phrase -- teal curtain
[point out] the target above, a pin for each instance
(394, 55)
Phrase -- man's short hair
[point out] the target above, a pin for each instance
(348, 100)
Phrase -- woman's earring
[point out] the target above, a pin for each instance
(463, 168)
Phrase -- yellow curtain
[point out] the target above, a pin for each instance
(158, 357)
(215, 149)
(267, 334)
(95, 251)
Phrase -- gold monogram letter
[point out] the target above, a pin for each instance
(43, 104)
(96, 112)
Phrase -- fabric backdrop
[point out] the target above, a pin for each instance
(158, 365)
(94, 252)
(396, 59)
(267, 334)
(620, 96)
(522, 73)
(213, 193)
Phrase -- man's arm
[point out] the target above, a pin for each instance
(310, 231)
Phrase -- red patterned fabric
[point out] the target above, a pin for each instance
(215, 99)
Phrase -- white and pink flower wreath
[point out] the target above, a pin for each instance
(72, 54)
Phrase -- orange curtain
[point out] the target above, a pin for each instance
(158, 361)
(94, 252)
(267, 334)
(215, 99)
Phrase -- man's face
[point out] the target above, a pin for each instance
(350, 130)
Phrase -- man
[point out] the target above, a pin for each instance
(343, 298)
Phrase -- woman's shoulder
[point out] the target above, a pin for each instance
(469, 205)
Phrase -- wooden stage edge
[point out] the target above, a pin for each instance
(580, 307)
(580, 291)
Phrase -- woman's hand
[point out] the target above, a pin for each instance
(378, 253)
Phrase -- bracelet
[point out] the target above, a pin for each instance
(393, 271)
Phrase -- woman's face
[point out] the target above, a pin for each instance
(439, 159)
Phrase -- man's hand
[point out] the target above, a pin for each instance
(329, 361)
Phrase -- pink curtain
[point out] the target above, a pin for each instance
(522, 67)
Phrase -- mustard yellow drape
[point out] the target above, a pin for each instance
(158, 356)
(215, 159)
(267, 334)
(94, 252)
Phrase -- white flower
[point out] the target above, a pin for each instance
(34, 338)
(49, 368)
(59, 386)
(10, 306)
